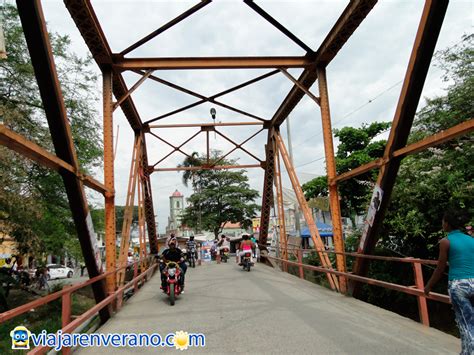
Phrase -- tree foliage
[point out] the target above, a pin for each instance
(220, 196)
(441, 177)
(357, 146)
(429, 182)
(33, 203)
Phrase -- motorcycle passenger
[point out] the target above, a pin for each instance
(192, 245)
(246, 246)
(172, 254)
(223, 244)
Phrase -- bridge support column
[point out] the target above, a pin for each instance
(331, 171)
(267, 195)
(283, 242)
(148, 199)
(110, 251)
(422, 52)
(318, 243)
(129, 207)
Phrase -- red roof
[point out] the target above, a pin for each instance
(229, 225)
(177, 194)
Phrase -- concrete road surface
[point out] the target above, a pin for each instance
(270, 312)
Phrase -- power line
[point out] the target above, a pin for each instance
(436, 55)
(353, 111)
(312, 161)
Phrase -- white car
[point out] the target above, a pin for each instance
(57, 271)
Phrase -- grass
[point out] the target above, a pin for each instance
(47, 317)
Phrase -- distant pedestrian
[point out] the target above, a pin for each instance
(82, 269)
(458, 249)
(43, 278)
(254, 249)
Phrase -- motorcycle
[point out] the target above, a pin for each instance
(173, 280)
(213, 253)
(247, 260)
(224, 254)
(192, 257)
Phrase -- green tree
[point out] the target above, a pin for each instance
(98, 218)
(439, 178)
(33, 204)
(357, 146)
(220, 196)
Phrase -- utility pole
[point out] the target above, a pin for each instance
(290, 150)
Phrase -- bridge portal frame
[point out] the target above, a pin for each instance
(314, 64)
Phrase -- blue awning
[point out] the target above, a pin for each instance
(325, 230)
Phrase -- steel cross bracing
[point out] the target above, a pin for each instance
(313, 63)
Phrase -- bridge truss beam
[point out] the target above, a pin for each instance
(314, 64)
(37, 39)
(422, 52)
(86, 21)
(31, 150)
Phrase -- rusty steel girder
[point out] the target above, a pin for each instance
(37, 39)
(355, 12)
(267, 194)
(461, 129)
(86, 21)
(32, 151)
(146, 170)
(123, 64)
(422, 52)
(351, 18)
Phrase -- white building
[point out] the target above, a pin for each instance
(176, 211)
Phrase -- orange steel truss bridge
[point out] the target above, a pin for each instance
(313, 63)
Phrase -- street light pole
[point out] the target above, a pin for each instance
(290, 150)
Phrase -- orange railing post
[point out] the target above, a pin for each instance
(422, 304)
(66, 313)
(300, 261)
(135, 274)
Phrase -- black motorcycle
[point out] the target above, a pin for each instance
(191, 257)
(247, 260)
(224, 253)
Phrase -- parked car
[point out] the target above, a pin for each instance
(57, 271)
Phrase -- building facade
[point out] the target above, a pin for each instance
(176, 212)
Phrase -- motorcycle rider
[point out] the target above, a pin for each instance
(192, 245)
(246, 246)
(171, 236)
(172, 254)
(223, 244)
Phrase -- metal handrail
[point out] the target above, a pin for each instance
(406, 289)
(49, 298)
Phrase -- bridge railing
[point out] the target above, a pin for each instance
(415, 290)
(69, 325)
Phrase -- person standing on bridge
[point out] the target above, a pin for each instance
(458, 249)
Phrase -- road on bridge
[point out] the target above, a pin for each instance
(267, 311)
